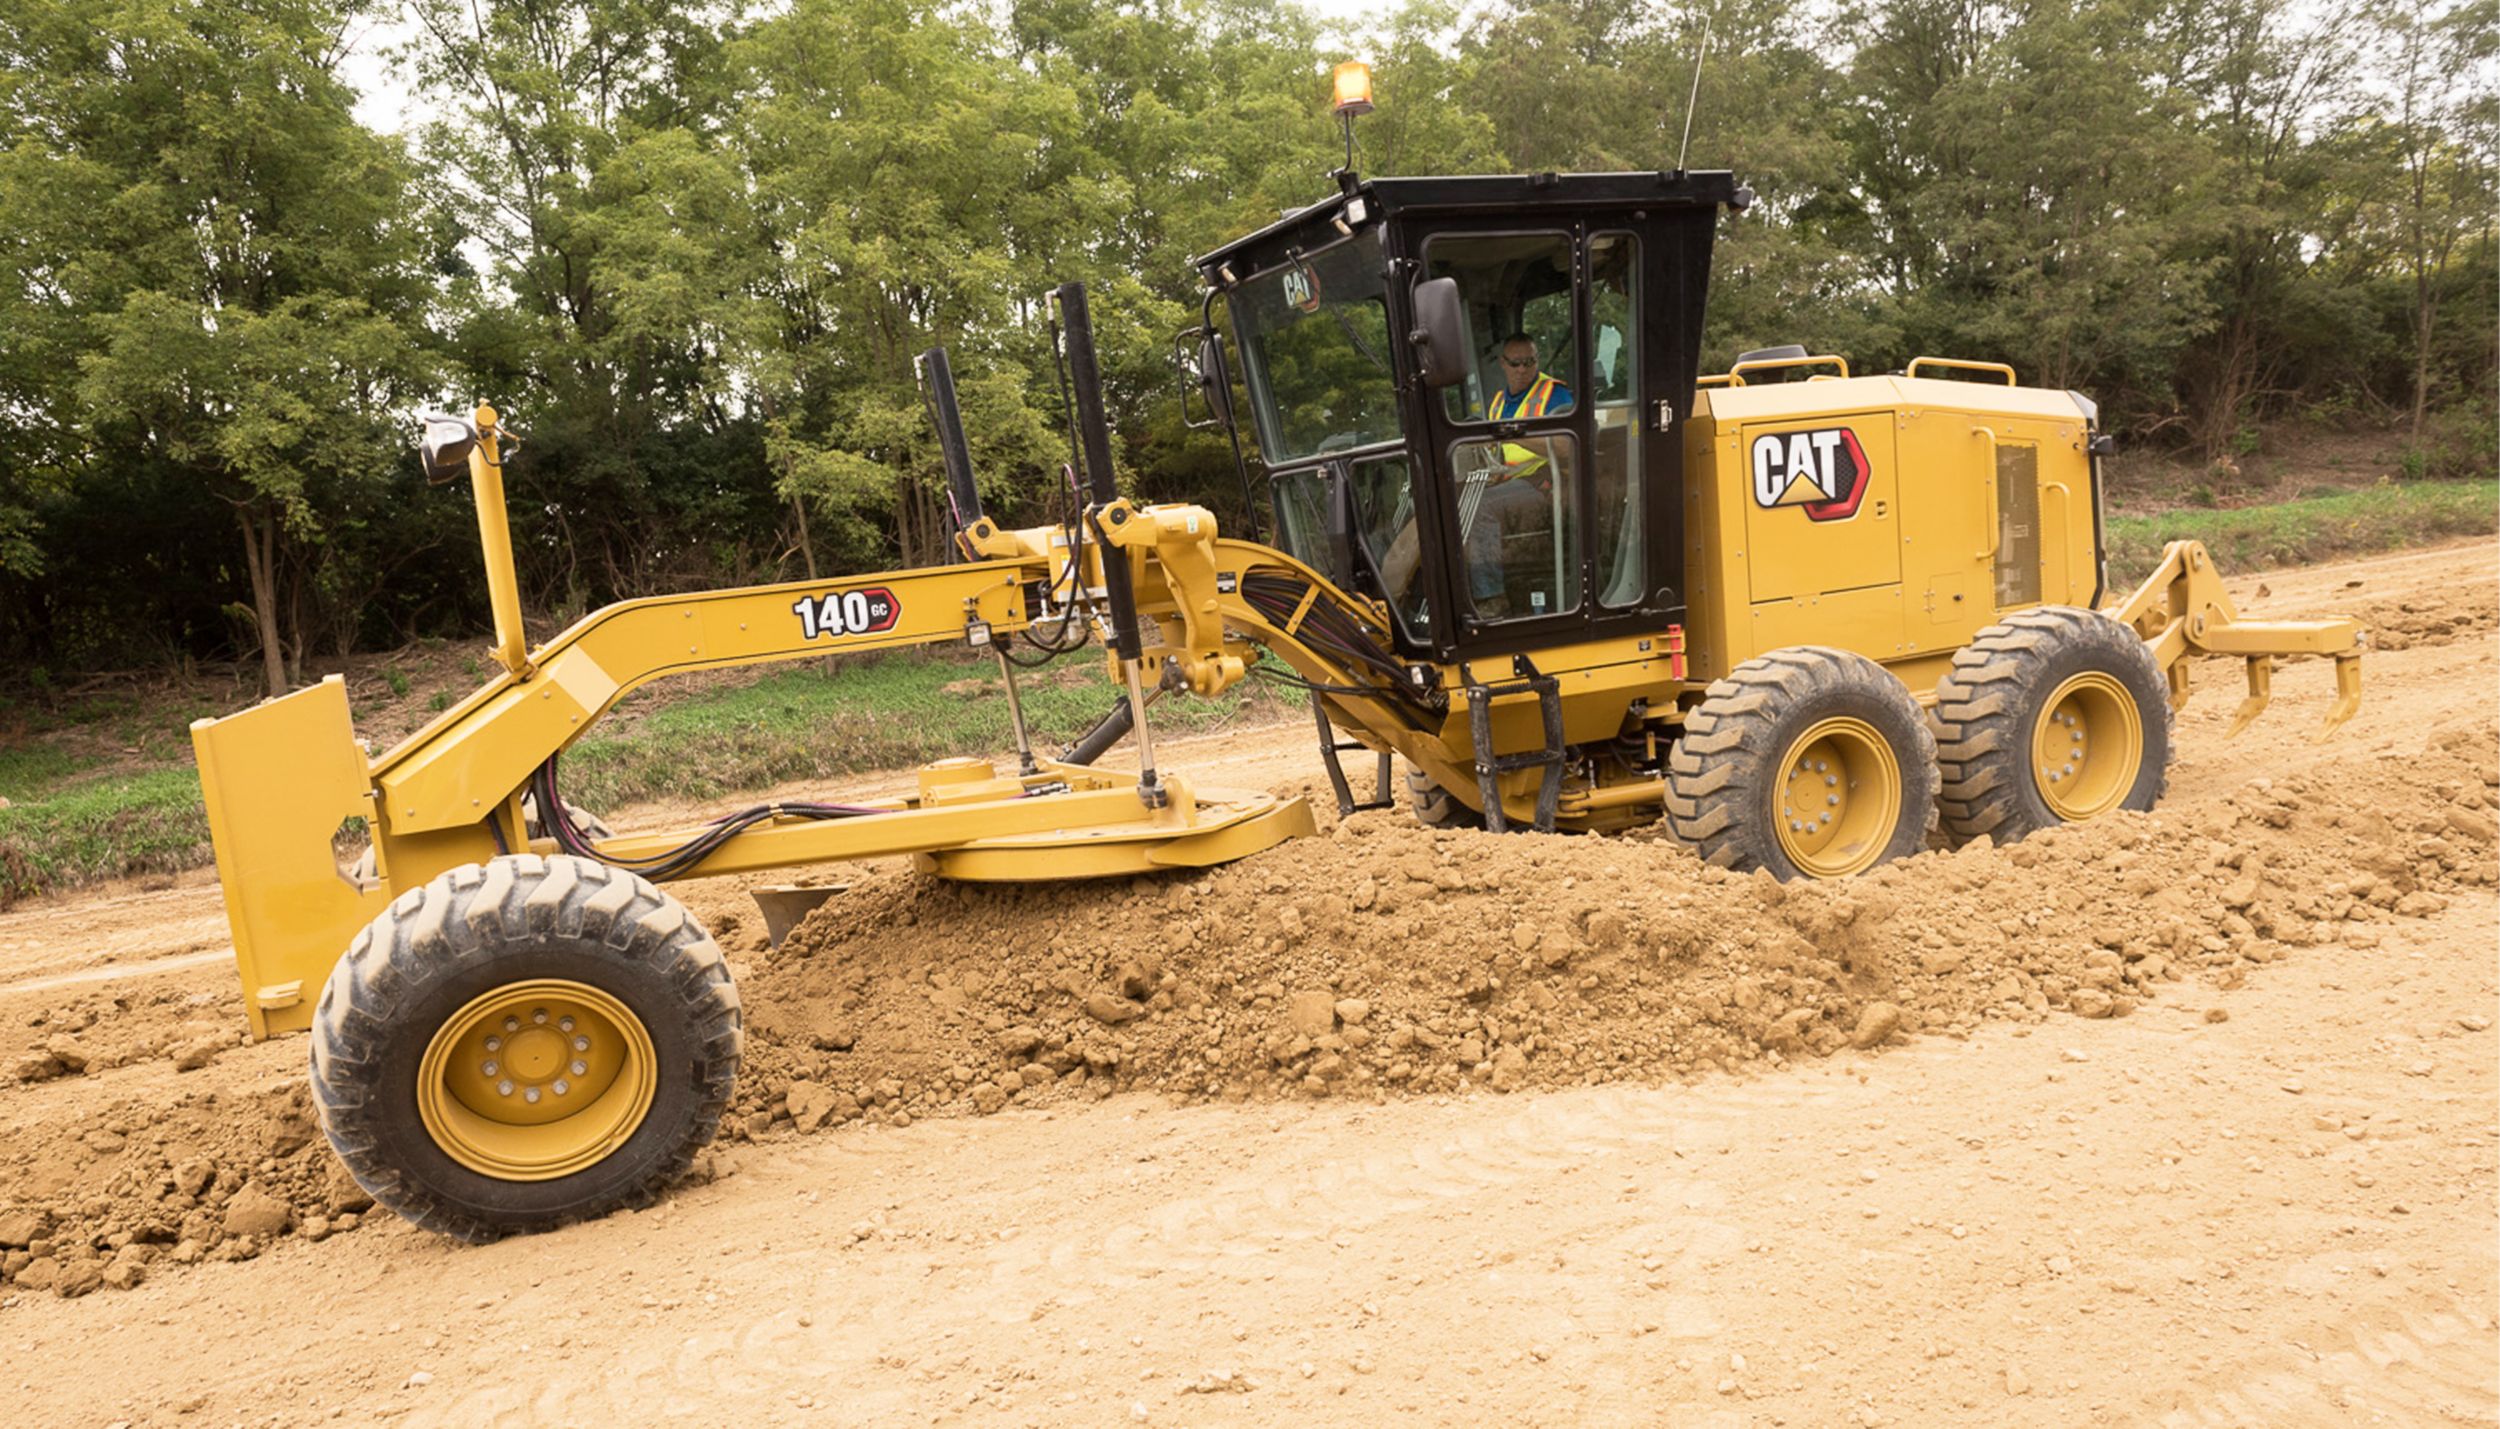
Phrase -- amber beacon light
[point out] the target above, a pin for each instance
(1354, 88)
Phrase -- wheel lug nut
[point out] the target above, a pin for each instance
(562, 1087)
(503, 1088)
(494, 1044)
(512, 1024)
(488, 1069)
(581, 1069)
(565, 1023)
(581, 1044)
(530, 1095)
(539, 1016)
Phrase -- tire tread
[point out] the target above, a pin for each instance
(1981, 706)
(464, 918)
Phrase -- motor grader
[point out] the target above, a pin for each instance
(1811, 619)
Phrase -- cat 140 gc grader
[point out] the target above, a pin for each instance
(1810, 619)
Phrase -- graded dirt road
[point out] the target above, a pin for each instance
(2191, 1120)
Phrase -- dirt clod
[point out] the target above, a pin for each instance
(255, 1212)
(1876, 1024)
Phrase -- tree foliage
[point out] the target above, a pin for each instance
(694, 251)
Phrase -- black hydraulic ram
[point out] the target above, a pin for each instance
(963, 497)
(1094, 435)
(937, 388)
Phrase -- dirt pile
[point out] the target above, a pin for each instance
(96, 1032)
(1386, 957)
(219, 1174)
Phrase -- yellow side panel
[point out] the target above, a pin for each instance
(1965, 533)
(278, 780)
(1819, 506)
(1714, 585)
(2071, 560)
(1867, 621)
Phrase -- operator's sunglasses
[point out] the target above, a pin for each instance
(1519, 362)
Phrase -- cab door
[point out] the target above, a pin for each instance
(1550, 456)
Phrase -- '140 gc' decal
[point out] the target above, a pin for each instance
(1823, 472)
(850, 612)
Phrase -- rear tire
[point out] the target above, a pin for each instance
(523, 1043)
(1810, 762)
(2052, 680)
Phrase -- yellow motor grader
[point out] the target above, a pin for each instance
(1811, 619)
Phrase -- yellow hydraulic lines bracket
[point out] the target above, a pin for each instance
(2182, 611)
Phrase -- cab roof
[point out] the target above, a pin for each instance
(1458, 194)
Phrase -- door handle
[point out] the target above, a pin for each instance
(1666, 413)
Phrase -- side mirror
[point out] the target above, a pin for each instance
(1440, 335)
(1213, 379)
(444, 450)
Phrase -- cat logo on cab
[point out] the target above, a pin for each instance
(1822, 472)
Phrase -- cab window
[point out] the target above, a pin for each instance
(1614, 379)
(1315, 346)
(1516, 291)
(1519, 541)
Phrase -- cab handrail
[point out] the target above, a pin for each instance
(2001, 369)
(1768, 364)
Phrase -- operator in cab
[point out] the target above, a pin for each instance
(1521, 490)
(1526, 391)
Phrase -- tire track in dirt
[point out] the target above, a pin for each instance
(2424, 1365)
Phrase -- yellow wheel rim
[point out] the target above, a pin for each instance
(536, 1080)
(1839, 798)
(2086, 746)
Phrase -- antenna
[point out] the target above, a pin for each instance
(1691, 99)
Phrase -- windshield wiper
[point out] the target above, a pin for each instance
(1356, 338)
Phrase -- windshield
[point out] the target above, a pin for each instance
(1315, 340)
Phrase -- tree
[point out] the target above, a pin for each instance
(2443, 189)
(220, 263)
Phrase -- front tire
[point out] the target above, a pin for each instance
(1810, 762)
(522, 1043)
(2050, 716)
(1436, 807)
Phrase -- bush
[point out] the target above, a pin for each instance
(2458, 444)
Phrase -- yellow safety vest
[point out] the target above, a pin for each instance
(1530, 403)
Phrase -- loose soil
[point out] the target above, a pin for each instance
(2182, 1118)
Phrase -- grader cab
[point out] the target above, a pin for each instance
(1812, 620)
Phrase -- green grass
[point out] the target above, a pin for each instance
(26, 773)
(105, 827)
(2309, 529)
(873, 713)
